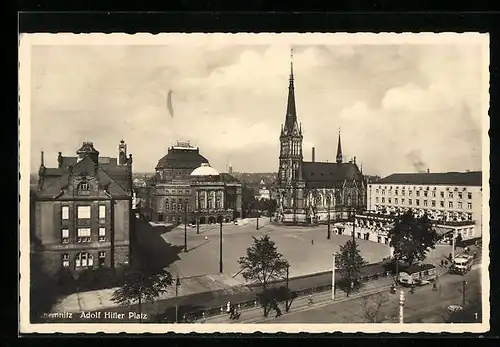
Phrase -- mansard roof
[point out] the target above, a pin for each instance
(471, 178)
(180, 158)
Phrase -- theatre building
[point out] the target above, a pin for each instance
(186, 186)
(81, 211)
(452, 201)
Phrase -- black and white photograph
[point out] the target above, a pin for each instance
(254, 182)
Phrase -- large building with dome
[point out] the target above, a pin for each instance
(185, 185)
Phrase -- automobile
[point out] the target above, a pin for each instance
(423, 282)
(455, 308)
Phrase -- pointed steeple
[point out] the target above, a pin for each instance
(291, 113)
(339, 150)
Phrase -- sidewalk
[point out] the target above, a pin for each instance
(254, 315)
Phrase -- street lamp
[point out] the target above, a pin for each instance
(287, 287)
(177, 284)
(185, 228)
(401, 306)
(220, 245)
(333, 274)
(328, 236)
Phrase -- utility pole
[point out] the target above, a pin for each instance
(452, 247)
(257, 226)
(185, 228)
(401, 305)
(197, 222)
(177, 284)
(220, 246)
(287, 289)
(333, 275)
(328, 236)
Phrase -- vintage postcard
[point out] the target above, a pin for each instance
(254, 182)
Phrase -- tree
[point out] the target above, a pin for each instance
(142, 284)
(263, 264)
(349, 263)
(372, 306)
(412, 237)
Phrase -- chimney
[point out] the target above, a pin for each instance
(41, 159)
(354, 159)
(428, 171)
(313, 155)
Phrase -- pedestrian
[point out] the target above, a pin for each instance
(450, 257)
(312, 242)
(278, 310)
(310, 300)
(228, 307)
(434, 286)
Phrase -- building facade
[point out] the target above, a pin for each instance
(452, 200)
(313, 192)
(186, 186)
(82, 211)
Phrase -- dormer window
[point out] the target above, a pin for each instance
(83, 188)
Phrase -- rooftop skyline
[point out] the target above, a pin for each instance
(400, 107)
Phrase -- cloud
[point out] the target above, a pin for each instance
(230, 101)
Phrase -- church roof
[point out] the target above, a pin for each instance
(471, 178)
(329, 174)
(181, 158)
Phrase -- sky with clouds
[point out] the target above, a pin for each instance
(400, 108)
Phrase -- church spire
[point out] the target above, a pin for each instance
(339, 150)
(291, 113)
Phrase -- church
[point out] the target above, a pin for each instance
(314, 192)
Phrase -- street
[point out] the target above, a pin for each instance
(424, 306)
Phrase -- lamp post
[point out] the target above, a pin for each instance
(220, 246)
(287, 288)
(328, 235)
(333, 275)
(257, 225)
(197, 222)
(401, 306)
(177, 284)
(185, 228)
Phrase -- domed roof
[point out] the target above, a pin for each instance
(181, 158)
(205, 170)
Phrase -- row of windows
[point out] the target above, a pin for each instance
(178, 192)
(173, 206)
(83, 235)
(426, 187)
(83, 259)
(459, 204)
(426, 193)
(83, 212)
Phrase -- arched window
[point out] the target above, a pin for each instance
(84, 259)
(217, 202)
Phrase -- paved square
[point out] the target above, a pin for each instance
(306, 248)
